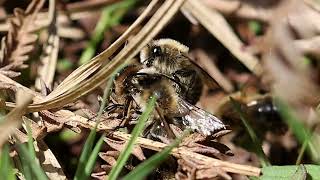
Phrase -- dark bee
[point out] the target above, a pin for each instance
(170, 103)
(169, 57)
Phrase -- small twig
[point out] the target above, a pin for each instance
(182, 151)
(49, 55)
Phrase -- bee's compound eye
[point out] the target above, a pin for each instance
(156, 51)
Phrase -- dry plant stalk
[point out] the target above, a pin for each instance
(75, 85)
(49, 55)
(183, 152)
(19, 42)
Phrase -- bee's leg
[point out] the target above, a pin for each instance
(112, 107)
(126, 115)
(165, 124)
(107, 109)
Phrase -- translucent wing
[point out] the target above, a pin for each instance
(206, 78)
(199, 119)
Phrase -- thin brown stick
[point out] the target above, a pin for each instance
(184, 152)
(49, 56)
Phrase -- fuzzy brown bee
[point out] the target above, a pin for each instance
(169, 57)
(170, 103)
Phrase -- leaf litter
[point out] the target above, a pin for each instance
(283, 66)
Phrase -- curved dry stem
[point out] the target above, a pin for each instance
(202, 159)
(76, 86)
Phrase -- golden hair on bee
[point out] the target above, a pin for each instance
(170, 57)
(166, 45)
(171, 105)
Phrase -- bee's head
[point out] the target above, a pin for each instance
(161, 52)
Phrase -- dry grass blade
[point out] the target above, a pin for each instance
(73, 91)
(88, 69)
(182, 152)
(218, 26)
(50, 51)
(14, 118)
(19, 42)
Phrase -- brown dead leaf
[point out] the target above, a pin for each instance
(48, 161)
(193, 170)
(108, 157)
(19, 42)
(38, 132)
(198, 158)
(120, 145)
(203, 145)
(100, 175)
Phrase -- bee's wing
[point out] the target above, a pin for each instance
(206, 78)
(199, 120)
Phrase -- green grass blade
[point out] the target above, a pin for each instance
(110, 16)
(143, 169)
(6, 170)
(26, 169)
(303, 134)
(93, 157)
(124, 155)
(258, 148)
(290, 172)
(86, 156)
(30, 141)
(106, 94)
(28, 162)
(301, 152)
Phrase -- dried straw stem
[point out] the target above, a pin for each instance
(184, 152)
